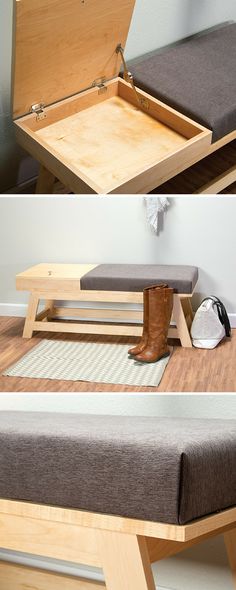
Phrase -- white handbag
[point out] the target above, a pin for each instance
(211, 324)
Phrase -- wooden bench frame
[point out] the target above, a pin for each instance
(46, 183)
(48, 320)
(124, 548)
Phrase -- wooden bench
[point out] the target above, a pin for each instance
(62, 282)
(168, 76)
(124, 547)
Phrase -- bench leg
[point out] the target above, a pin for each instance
(125, 561)
(45, 182)
(31, 316)
(49, 307)
(188, 311)
(181, 323)
(230, 543)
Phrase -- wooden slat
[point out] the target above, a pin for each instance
(219, 183)
(92, 520)
(99, 328)
(212, 174)
(217, 145)
(42, 315)
(159, 549)
(49, 538)
(19, 577)
(83, 328)
(118, 314)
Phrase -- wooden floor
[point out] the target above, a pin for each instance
(189, 370)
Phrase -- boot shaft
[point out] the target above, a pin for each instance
(160, 310)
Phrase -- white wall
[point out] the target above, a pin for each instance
(155, 23)
(197, 231)
(205, 566)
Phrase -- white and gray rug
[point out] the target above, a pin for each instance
(87, 361)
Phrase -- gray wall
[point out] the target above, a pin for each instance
(163, 22)
(205, 566)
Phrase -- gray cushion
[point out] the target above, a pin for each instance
(159, 469)
(135, 277)
(197, 77)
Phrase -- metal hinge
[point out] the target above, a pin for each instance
(100, 83)
(142, 100)
(38, 109)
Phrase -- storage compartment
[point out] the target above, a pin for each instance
(112, 144)
(88, 127)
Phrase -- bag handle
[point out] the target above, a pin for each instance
(222, 313)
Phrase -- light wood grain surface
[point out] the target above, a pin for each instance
(34, 514)
(62, 46)
(126, 562)
(111, 141)
(230, 543)
(113, 146)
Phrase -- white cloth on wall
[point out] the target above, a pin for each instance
(155, 207)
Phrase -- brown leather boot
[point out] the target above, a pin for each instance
(160, 311)
(143, 342)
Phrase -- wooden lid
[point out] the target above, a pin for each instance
(62, 46)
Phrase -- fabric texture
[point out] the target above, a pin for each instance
(135, 277)
(155, 208)
(158, 469)
(197, 77)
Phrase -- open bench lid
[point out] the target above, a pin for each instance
(63, 46)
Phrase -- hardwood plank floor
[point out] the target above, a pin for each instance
(189, 370)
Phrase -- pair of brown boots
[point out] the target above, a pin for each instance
(158, 306)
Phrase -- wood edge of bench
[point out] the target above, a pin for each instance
(171, 532)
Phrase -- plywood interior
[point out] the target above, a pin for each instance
(111, 141)
(62, 46)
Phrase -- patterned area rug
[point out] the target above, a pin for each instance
(86, 361)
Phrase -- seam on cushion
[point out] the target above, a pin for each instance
(181, 489)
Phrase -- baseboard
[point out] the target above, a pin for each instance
(56, 566)
(232, 319)
(16, 310)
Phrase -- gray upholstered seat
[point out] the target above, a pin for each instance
(197, 77)
(159, 469)
(135, 277)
